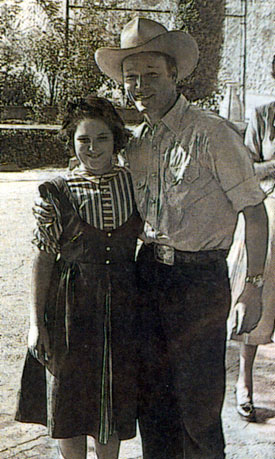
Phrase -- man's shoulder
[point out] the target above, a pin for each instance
(205, 118)
(199, 121)
(265, 109)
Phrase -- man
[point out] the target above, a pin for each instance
(192, 176)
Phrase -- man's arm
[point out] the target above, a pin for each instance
(249, 304)
(265, 169)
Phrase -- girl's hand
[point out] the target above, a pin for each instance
(39, 343)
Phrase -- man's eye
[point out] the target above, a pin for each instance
(84, 140)
(130, 77)
(101, 138)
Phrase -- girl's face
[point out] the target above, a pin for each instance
(94, 145)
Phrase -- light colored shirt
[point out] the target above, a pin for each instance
(260, 139)
(192, 175)
(105, 202)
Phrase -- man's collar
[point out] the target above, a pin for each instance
(173, 118)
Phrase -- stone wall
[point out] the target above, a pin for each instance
(260, 49)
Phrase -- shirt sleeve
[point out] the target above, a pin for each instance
(48, 225)
(253, 135)
(233, 167)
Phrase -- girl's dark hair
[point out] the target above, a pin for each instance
(95, 107)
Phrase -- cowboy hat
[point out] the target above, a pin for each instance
(144, 35)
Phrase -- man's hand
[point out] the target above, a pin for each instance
(39, 343)
(248, 309)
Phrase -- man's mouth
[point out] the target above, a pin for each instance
(95, 155)
(142, 98)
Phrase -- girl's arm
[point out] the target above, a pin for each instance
(38, 339)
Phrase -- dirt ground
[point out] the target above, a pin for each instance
(17, 189)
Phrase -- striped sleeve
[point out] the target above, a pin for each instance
(48, 227)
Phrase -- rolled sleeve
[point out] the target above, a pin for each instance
(233, 167)
(48, 227)
(253, 136)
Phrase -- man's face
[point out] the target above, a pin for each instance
(149, 84)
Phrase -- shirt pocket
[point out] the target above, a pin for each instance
(141, 191)
(173, 178)
(192, 173)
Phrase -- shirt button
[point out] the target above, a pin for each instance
(108, 249)
(188, 179)
(154, 147)
(107, 262)
(109, 234)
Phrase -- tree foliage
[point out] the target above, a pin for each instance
(41, 64)
(57, 68)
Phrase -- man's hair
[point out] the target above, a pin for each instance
(95, 107)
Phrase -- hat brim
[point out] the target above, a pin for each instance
(177, 44)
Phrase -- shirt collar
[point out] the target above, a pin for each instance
(172, 119)
(97, 178)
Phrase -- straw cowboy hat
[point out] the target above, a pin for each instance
(144, 35)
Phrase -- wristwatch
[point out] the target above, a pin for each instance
(257, 281)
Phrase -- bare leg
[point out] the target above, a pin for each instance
(109, 451)
(244, 386)
(73, 448)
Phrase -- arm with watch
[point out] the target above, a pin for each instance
(249, 304)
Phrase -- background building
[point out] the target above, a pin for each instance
(248, 49)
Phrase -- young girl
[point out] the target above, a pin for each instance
(79, 377)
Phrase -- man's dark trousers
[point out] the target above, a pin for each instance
(183, 313)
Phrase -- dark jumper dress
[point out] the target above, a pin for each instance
(90, 385)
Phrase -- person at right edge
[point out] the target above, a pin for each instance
(260, 139)
(192, 175)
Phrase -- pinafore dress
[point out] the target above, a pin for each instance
(90, 384)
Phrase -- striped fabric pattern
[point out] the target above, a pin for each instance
(105, 202)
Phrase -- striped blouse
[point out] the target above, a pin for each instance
(105, 202)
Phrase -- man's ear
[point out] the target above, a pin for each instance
(174, 75)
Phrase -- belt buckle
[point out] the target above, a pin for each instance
(164, 254)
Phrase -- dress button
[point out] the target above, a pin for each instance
(109, 234)
(108, 249)
(107, 262)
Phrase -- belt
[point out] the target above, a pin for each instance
(170, 256)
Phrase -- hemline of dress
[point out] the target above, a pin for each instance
(74, 433)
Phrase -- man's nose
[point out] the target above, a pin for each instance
(139, 82)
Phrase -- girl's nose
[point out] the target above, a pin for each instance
(92, 145)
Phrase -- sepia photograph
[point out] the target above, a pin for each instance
(137, 224)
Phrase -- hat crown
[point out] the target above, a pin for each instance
(140, 31)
